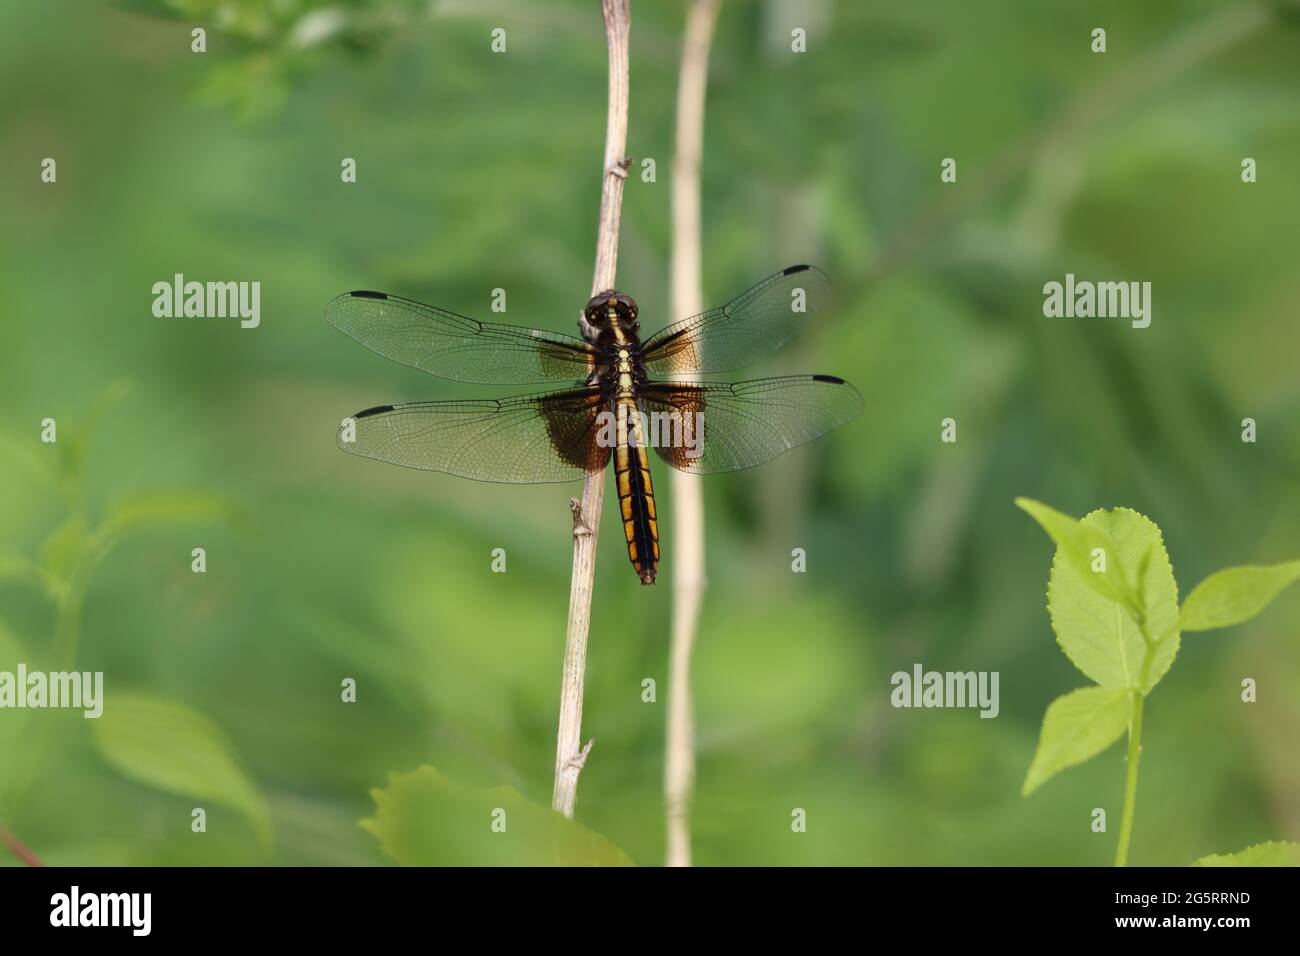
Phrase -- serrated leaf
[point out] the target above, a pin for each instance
(1077, 727)
(1101, 638)
(167, 745)
(1273, 853)
(1076, 542)
(423, 819)
(1235, 595)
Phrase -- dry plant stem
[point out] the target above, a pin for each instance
(570, 755)
(19, 849)
(686, 493)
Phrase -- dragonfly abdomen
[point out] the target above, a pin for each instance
(636, 497)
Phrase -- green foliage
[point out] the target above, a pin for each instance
(1235, 595)
(70, 550)
(270, 46)
(1273, 853)
(1123, 632)
(423, 819)
(166, 745)
(139, 736)
(1080, 544)
(1078, 726)
(1099, 636)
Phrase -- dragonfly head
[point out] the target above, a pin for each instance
(607, 309)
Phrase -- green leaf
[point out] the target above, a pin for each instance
(169, 746)
(1076, 727)
(1076, 541)
(1101, 638)
(423, 819)
(1234, 595)
(1273, 853)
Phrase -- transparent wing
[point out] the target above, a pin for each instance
(754, 323)
(528, 439)
(455, 347)
(706, 429)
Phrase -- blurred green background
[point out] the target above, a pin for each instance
(479, 170)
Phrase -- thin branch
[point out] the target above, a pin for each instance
(687, 496)
(19, 849)
(569, 754)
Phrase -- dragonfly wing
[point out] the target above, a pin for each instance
(454, 347)
(722, 427)
(531, 438)
(754, 323)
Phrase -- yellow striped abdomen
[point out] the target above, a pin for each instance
(636, 497)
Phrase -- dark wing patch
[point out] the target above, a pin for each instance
(747, 423)
(754, 323)
(454, 347)
(528, 439)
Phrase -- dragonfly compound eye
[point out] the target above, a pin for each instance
(627, 310)
(598, 308)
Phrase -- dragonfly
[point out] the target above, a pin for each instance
(622, 396)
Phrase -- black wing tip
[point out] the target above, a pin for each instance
(376, 410)
(801, 267)
(331, 307)
(810, 269)
(846, 391)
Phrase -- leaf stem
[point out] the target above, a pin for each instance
(1130, 778)
(1134, 744)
